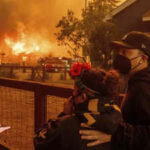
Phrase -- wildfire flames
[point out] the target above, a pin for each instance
(27, 28)
(26, 45)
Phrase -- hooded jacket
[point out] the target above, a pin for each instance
(134, 132)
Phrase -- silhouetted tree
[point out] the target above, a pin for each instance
(91, 32)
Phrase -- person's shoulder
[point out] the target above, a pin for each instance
(141, 85)
(140, 77)
(140, 90)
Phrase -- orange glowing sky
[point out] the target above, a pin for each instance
(37, 18)
(60, 8)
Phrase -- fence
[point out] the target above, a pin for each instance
(25, 106)
(35, 73)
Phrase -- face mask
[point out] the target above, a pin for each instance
(123, 64)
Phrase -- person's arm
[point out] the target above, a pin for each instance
(106, 124)
(132, 137)
(67, 109)
(137, 135)
(126, 137)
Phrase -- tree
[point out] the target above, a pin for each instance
(100, 52)
(70, 33)
(91, 32)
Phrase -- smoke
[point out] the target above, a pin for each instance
(34, 17)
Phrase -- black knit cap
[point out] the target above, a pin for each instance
(134, 40)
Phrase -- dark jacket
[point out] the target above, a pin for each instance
(64, 135)
(134, 132)
(2, 147)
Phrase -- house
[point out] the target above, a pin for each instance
(131, 15)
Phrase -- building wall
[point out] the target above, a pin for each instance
(131, 18)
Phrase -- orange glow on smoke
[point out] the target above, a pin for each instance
(25, 45)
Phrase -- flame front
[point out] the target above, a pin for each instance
(25, 45)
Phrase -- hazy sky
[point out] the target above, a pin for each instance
(38, 17)
(35, 15)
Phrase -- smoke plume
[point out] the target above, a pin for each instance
(36, 18)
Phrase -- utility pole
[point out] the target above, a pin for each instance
(85, 4)
(85, 38)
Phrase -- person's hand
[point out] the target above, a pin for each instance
(96, 136)
(68, 106)
(80, 99)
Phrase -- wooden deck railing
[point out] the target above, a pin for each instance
(40, 92)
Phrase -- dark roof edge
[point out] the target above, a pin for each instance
(119, 9)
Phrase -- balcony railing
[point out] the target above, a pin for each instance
(26, 106)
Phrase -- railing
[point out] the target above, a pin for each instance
(26, 106)
(39, 94)
(36, 72)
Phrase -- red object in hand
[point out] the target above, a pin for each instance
(86, 66)
(77, 69)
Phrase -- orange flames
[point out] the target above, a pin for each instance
(25, 45)
(29, 46)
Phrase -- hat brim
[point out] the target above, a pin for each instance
(120, 44)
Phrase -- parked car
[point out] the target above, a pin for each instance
(49, 68)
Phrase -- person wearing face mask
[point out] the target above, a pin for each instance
(132, 60)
